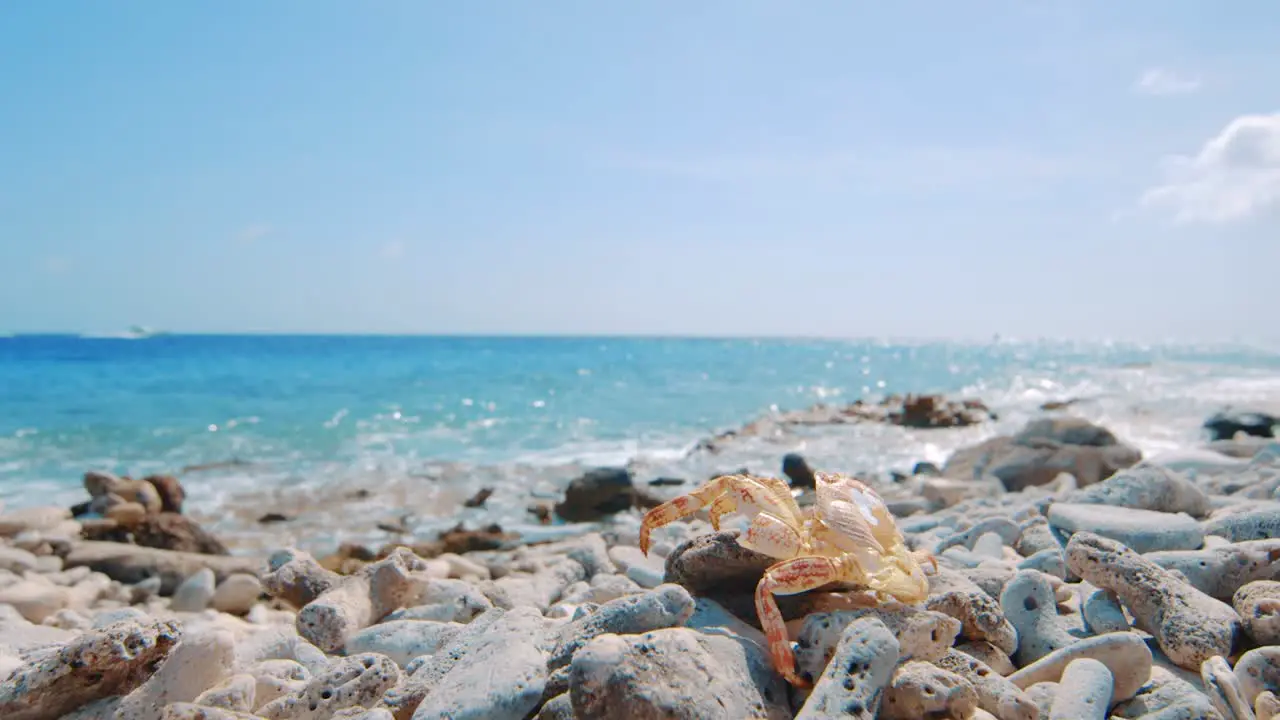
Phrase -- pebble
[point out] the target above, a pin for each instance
(499, 667)
(979, 613)
(1189, 626)
(663, 607)
(195, 593)
(403, 640)
(1167, 695)
(1147, 486)
(996, 693)
(1258, 671)
(1125, 654)
(1102, 613)
(500, 681)
(237, 693)
(1223, 689)
(1258, 605)
(477, 651)
(35, 600)
(920, 634)
(647, 572)
(96, 665)
(36, 519)
(559, 707)
(1141, 530)
(195, 711)
(1220, 571)
(196, 664)
(1029, 604)
(1084, 692)
(17, 560)
(920, 689)
(354, 681)
(1127, 598)
(993, 656)
(860, 667)
(684, 674)
(297, 578)
(1266, 705)
(358, 600)
(447, 600)
(237, 594)
(276, 678)
(1258, 524)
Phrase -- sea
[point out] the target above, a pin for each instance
(349, 431)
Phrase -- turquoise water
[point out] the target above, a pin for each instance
(317, 410)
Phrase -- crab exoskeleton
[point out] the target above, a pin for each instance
(847, 536)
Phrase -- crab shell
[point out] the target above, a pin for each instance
(848, 537)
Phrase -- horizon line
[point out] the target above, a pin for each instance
(993, 339)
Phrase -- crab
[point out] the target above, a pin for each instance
(848, 537)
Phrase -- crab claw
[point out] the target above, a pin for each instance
(924, 557)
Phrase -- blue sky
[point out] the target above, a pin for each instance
(1064, 169)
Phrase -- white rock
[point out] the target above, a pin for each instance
(989, 545)
(645, 576)
(237, 594)
(280, 643)
(86, 593)
(48, 564)
(18, 635)
(197, 663)
(110, 617)
(674, 668)
(35, 600)
(403, 640)
(35, 518)
(277, 678)
(144, 590)
(16, 559)
(260, 614)
(460, 567)
(235, 693)
(68, 619)
(194, 593)
(355, 681)
(500, 676)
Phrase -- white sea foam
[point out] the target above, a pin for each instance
(396, 455)
(1158, 408)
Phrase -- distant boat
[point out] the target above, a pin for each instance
(142, 331)
(135, 332)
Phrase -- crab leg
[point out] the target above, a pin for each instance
(676, 508)
(723, 505)
(711, 494)
(791, 577)
(924, 557)
(772, 536)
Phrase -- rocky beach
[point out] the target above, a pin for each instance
(629, 361)
(1075, 579)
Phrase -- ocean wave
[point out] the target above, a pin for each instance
(302, 428)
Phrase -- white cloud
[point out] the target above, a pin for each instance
(1162, 81)
(392, 250)
(1235, 175)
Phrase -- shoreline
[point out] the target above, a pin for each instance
(1120, 582)
(370, 505)
(379, 507)
(335, 429)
